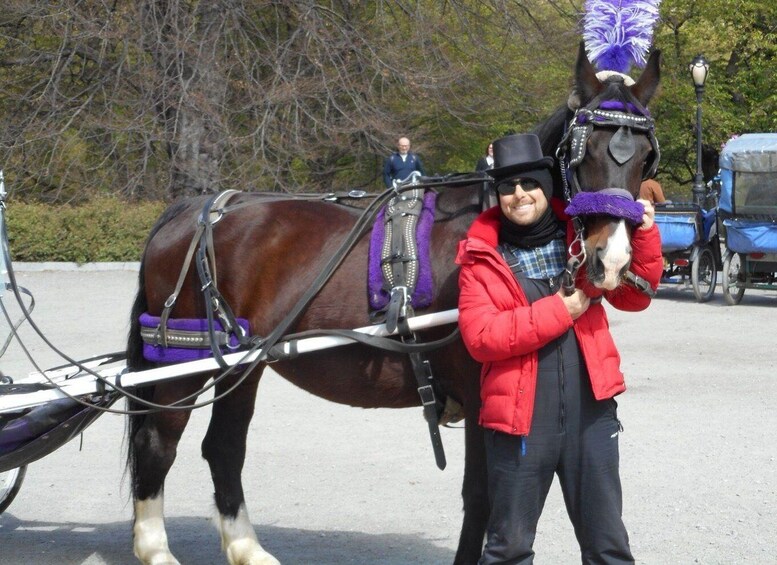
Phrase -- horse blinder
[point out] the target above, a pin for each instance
(622, 145)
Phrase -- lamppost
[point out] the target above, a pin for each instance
(699, 68)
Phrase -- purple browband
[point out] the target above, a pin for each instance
(607, 202)
(161, 354)
(617, 105)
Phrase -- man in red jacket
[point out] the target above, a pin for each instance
(550, 367)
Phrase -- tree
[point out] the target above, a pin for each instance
(166, 98)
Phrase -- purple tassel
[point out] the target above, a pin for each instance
(618, 33)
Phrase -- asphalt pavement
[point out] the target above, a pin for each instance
(330, 484)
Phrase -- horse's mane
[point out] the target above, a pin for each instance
(552, 129)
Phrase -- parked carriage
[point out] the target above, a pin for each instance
(748, 207)
(690, 243)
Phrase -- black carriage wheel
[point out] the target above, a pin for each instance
(704, 275)
(10, 483)
(733, 278)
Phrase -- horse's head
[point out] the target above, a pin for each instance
(609, 148)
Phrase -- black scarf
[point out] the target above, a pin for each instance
(538, 234)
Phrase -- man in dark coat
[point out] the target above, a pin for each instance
(401, 164)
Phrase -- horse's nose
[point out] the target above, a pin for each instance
(601, 252)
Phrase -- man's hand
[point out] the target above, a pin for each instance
(576, 303)
(648, 218)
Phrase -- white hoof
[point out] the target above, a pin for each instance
(239, 542)
(249, 552)
(159, 558)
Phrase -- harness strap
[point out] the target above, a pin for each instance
(640, 283)
(399, 256)
(426, 385)
(215, 305)
(161, 335)
(576, 257)
(279, 353)
(400, 271)
(205, 222)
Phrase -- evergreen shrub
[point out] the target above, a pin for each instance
(103, 229)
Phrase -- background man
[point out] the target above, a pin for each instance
(401, 164)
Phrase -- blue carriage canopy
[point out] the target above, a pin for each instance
(748, 178)
(748, 175)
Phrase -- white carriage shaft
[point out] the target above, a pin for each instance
(88, 384)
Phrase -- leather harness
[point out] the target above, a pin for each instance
(399, 264)
(217, 307)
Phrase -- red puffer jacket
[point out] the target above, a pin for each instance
(503, 331)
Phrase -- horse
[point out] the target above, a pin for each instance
(267, 251)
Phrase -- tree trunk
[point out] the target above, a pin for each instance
(186, 49)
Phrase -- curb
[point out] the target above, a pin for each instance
(78, 267)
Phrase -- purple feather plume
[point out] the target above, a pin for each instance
(618, 33)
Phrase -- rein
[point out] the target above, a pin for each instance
(576, 259)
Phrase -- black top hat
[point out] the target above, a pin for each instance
(521, 153)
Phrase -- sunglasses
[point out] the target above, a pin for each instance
(507, 187)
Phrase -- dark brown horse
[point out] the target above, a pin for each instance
(268, 250)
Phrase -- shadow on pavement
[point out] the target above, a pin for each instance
(194, 541)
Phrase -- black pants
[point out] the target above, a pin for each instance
(572, 436)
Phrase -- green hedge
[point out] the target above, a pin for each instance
(104, 229)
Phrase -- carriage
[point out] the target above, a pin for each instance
(748, 208)
(690, 243)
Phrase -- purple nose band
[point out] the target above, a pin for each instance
(610, 202)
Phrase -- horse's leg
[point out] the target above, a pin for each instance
(153, 449)
(224, 448)
(474, 489)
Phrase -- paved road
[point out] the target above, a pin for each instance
(328, 484)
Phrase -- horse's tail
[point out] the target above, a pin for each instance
(136, 362)
(134, 352)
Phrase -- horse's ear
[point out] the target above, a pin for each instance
(587, 86)
(648, 81)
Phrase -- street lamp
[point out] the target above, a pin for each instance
(699, 68)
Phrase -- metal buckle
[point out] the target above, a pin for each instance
(427, 395)
(404, 304)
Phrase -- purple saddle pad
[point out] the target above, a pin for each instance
(424, 288)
